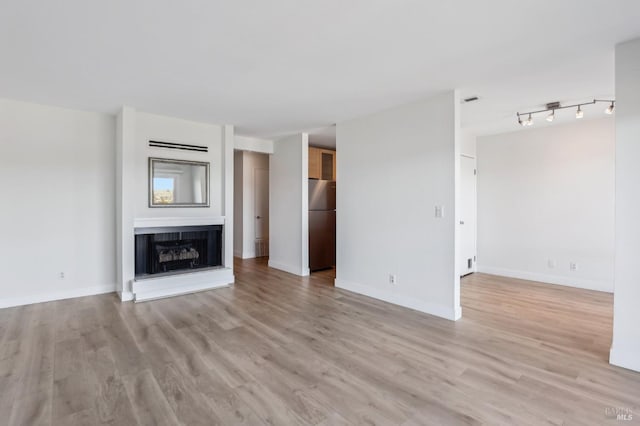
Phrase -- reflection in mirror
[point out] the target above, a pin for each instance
(177, 183)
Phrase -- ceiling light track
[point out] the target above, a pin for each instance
(552, 107)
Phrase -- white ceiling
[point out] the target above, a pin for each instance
(280, 66)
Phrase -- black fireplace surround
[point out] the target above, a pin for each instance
(177, 249)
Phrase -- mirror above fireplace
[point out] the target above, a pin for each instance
(178, 183)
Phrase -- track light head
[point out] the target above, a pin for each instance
(529, 120)
(610, 108)
(579, 112)
(551, 116)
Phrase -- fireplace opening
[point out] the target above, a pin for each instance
(177, 249)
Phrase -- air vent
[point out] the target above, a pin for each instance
(471, 99)
(262, 248)
(180, 146)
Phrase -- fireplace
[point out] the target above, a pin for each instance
(172, 250)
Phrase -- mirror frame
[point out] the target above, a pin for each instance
(153, 160)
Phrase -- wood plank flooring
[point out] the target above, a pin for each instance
(278, 349)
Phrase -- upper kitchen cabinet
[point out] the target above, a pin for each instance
(322, 163)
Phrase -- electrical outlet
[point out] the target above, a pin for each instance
(439, 211)
(551, 263)
(573, 266)
(61, 275)
(392, 279)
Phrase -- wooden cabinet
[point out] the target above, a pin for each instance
(322, 163)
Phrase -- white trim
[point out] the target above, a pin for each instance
(125, 296)
(450, 313)
(457, 313)
(300, 271)
(57, 295)
(625, 356)
(158, 222)
(604, 286)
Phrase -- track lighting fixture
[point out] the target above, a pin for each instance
(610, 108)
(552, 107)
(551, 116)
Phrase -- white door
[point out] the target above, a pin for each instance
(467, 218)
(261, 211)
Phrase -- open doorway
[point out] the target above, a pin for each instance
(323, 186)
(545, 231)
(251, 205)
(467, 215)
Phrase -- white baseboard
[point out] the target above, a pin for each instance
(244, 254)
(50, 296)
(450, 313)
(249, 254)
(125, 296)
(625, 356)
(302, 272)
(586, 284)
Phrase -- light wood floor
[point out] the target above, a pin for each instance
(279, 349)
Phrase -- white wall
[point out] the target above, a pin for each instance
(168, 129)
(545, 198)
(467, 143)
(57, 167)
(289, 205)
(246, 143)
(625, 350)
(395, 167)
(237, 203)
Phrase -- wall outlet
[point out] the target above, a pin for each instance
(61, 275)
(393, 279)
(573, 266)
(551, 264)
(439, 211)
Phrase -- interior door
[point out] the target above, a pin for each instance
(261, 204)
(467, 218)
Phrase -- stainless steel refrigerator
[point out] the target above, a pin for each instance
(322, 224)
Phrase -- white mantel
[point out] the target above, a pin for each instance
(134, 131)
(160, 222)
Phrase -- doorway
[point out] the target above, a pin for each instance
(251, 204)
(467, 219)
